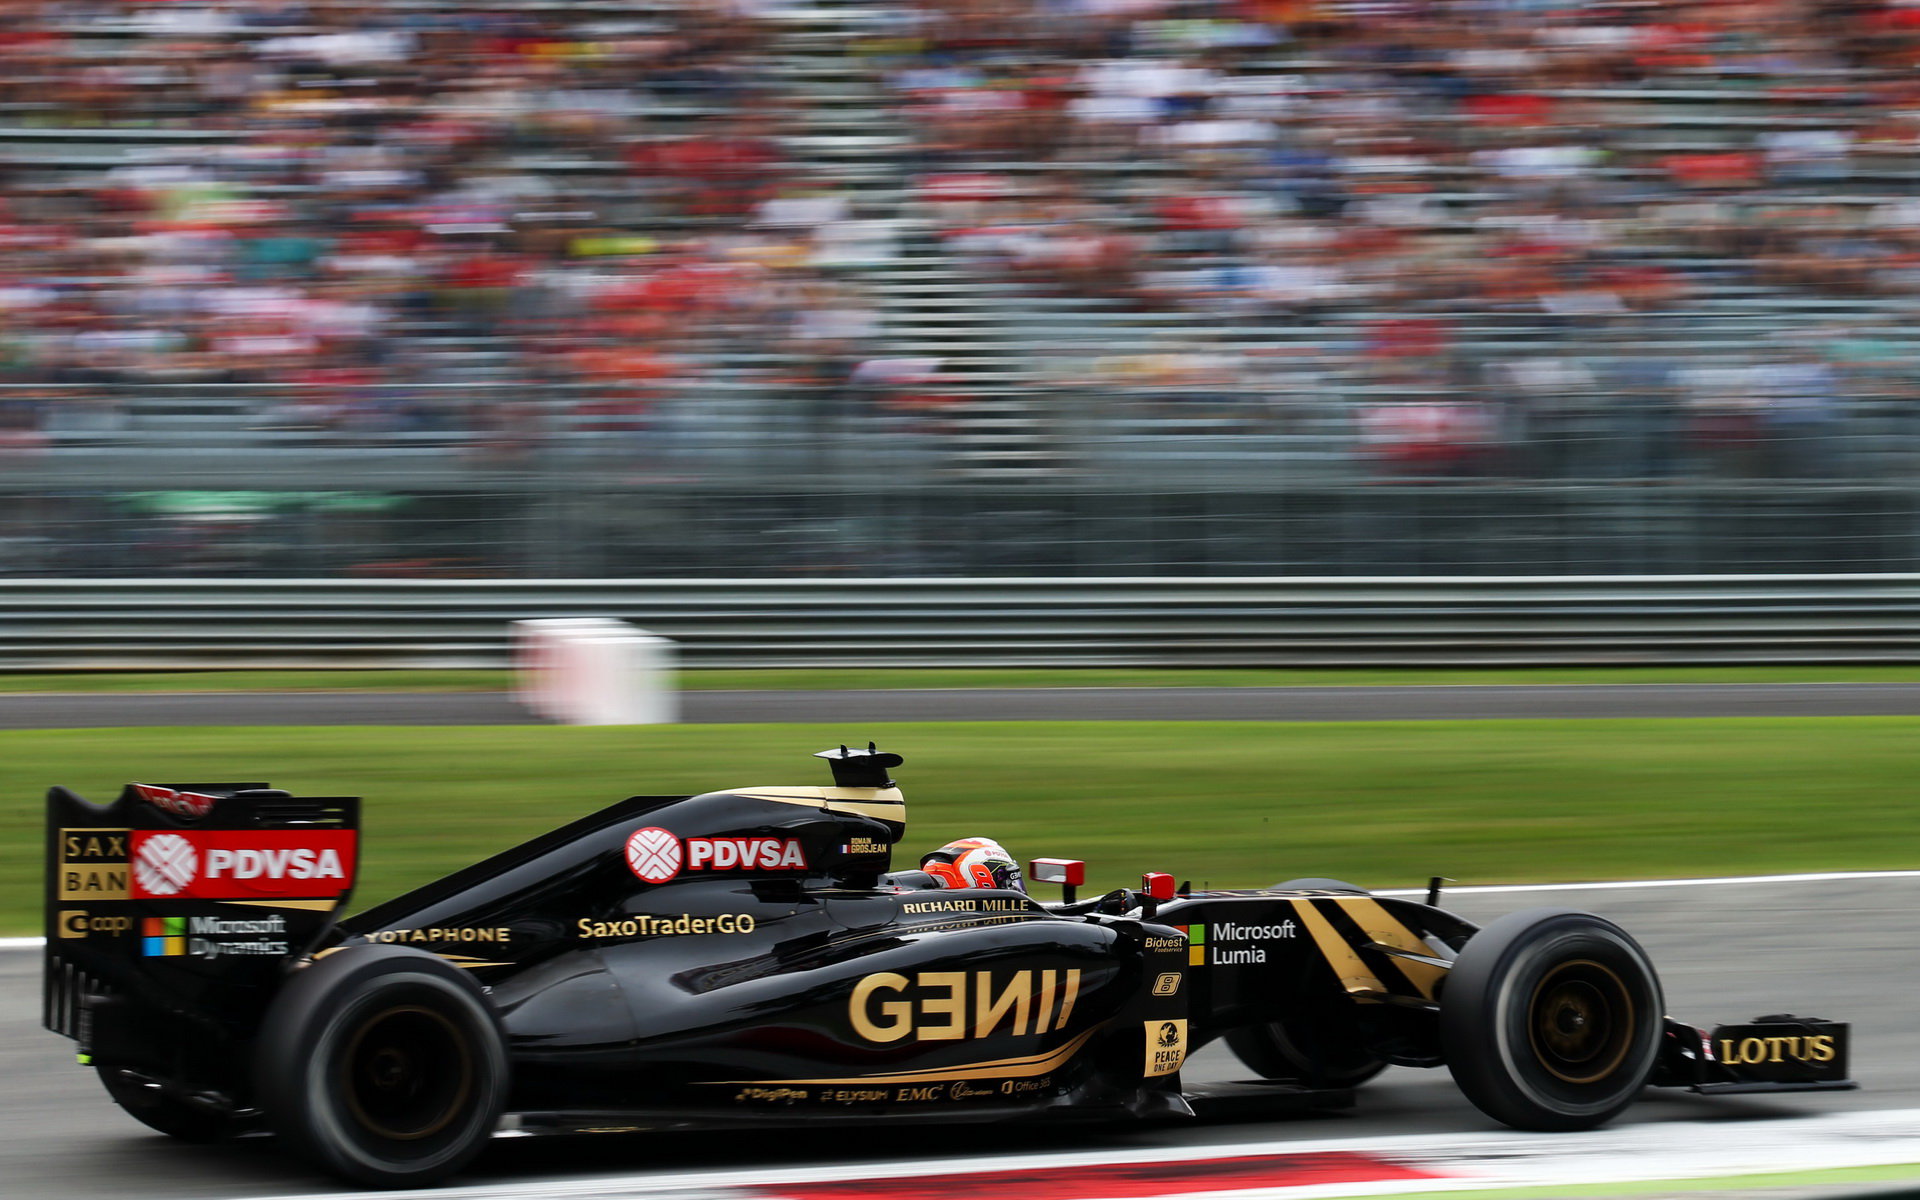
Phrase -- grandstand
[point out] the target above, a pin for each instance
(957, 286)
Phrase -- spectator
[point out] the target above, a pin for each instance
(342, 200)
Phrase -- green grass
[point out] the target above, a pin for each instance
(1229, 803)
(882, 677)
(1779, 1183)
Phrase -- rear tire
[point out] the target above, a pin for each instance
(1551, 1019)
(159, 1111)
(383, 1064)
(1303, 1048)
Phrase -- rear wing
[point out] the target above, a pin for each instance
(185, 901)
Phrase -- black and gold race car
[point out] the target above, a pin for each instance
(750, 956)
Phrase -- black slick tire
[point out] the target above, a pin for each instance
(383, 1064)
(1315, 1049)
(1551, 1020)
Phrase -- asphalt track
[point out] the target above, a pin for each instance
(1727, 952)
(1465, 702)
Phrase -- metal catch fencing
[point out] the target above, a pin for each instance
(204, 623)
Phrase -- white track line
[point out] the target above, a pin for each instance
(1624, 884)
(1491, 889)
(1465, 1162)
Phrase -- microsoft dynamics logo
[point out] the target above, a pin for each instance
(163, 937)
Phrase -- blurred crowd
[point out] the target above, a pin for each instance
(1478, 156)
(1509, 235)
(1476, 223)
(355, 201)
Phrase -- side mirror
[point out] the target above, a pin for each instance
(1156, 888)
(1069, 873)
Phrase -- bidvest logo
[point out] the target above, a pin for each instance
(243, 864)
(655, 855)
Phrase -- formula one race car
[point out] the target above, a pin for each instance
(751, 956)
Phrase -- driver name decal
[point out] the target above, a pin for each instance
(655, 855)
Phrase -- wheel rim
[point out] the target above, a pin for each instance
(407, 1073)
(1581, 1021)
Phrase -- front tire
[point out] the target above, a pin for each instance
(1551, 1019)
(383, 1064)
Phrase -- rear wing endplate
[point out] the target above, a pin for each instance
(188, 898)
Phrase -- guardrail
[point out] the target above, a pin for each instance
(176, 623)
(733, 424)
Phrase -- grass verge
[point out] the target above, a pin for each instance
(1787, 1185)
(1035, 677)
(1229, 803)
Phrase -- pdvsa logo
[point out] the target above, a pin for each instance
(655, 855)
(289, 862)
(745, 854)
(164, 864)
(242, 864)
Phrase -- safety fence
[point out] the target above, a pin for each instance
(735, 422)
(174, 623)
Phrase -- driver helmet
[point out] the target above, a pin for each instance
(974, 862)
